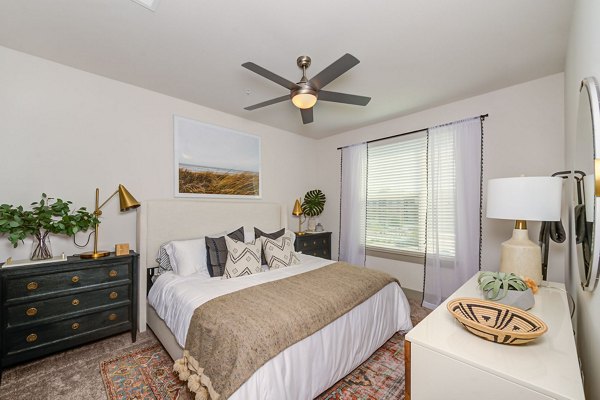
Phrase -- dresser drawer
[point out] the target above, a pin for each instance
(55, 282)
(316, 244)
(39, 310)
(323, 253)
(29, 338)
(308, 243)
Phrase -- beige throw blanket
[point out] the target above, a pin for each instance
(232, 336)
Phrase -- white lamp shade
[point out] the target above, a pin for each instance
(527, 198)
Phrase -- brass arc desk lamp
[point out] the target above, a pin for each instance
(127, 202)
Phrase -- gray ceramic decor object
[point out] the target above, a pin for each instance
(521, 299)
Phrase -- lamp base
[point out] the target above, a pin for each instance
(521, 256)
(97, 254)
(300, 233)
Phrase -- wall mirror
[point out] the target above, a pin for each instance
(587, 190)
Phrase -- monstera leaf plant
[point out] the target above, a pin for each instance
(313, 205)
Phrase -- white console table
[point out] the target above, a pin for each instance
(445, 361)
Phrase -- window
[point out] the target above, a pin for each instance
(397, 195)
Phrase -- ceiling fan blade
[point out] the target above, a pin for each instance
(268, 102)
(337, 68)
(344, 98)
(270, 75)
(307, 115)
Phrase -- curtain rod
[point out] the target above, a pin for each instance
(482, 117)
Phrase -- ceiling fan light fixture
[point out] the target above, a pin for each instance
(304, 98)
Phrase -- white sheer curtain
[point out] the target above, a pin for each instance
(353, 213)
(453, 191)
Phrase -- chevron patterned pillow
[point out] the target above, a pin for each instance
(242, 258)
(278, 252)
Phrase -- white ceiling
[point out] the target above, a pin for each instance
(414, 54)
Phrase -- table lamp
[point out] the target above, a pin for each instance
(126, 202)
(298, 213)
(523, 199)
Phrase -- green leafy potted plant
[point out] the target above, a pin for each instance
(312, 206)
(46, 216)
(506, 288)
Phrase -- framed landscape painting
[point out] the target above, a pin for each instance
(211, 161)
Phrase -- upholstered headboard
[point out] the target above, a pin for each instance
(160, 221)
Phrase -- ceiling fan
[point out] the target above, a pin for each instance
(305, 93)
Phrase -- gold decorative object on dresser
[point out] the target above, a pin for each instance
(47, 308)
(314, 244)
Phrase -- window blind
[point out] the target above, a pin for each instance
(397, 195)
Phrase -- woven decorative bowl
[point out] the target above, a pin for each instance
(496, 322)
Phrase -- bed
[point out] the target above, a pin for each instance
(301, 371)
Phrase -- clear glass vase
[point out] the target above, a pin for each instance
(312, 224)
(41, 248)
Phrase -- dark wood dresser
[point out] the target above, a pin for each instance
(54, 306)
(314, 244)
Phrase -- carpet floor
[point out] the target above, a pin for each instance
(76, 374)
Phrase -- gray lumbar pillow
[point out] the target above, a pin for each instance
(216, 249)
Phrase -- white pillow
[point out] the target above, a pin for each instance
(188, 257)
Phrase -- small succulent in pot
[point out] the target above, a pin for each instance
(495, 285)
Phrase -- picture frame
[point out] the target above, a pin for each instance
(215, 162)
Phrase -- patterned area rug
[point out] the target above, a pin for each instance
(381, 377)
(143, 374)
(147, 374)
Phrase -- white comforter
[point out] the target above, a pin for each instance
(310, 366)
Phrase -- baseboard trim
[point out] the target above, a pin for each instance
(413, 294)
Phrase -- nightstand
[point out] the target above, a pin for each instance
(316, 244)
(51, 307)
(444, 361)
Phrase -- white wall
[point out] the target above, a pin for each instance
(523, 135)
(583, 60)
(65, 132)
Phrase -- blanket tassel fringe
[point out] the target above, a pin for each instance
(189, 370)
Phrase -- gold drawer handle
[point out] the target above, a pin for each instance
(113, 295)
(112, 273)
(305, 244)
(75, 326)
(315, 242)
(31, 311)
(31, 338)
(75, 279)
(32, 285)
(75, 302)
(112, 317)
